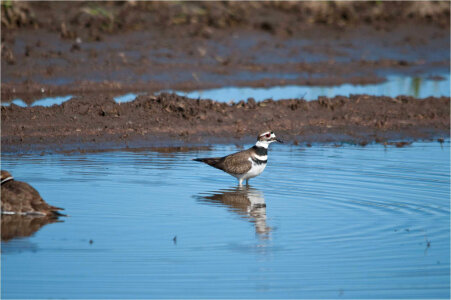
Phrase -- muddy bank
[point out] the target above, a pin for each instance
(93, 50)
(51, 48)
(77, 18)
(149, 61)
(98, 122)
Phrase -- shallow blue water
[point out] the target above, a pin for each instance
(47, 101)
(394, 86)
(419, 87)
(346, 222)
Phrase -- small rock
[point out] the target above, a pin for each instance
(75, 47)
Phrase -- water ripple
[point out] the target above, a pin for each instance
(323, 222)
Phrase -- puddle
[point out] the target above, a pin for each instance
(352, 222)
(48, 101)
(394, 86)
(127, 97)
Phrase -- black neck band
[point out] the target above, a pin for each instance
(258, 161)
(260, 151)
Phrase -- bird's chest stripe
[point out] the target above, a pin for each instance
(7, 179)
(260, 157)
(258, 161)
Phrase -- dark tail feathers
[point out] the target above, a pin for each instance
(58, 214)
(212, 161)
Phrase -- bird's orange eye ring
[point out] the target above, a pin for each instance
(268, 135)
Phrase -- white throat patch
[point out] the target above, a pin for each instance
(263, 144)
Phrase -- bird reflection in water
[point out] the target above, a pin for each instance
(17, 226)
(245, 201)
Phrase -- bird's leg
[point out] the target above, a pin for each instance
(247, 181)
(240, 182)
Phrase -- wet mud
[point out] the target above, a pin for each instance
(98, 122)
(97, 50)
(117, 47)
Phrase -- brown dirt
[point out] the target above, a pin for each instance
(93, 50)
(97, 122)
(53, 48)
(72, 19)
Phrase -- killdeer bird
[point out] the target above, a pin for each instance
(246, 164)
(20, 198)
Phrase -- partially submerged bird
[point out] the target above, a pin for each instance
(19, 198)
(246, 164)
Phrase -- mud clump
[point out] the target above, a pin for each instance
(97, 122)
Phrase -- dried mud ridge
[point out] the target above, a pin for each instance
(98, 122)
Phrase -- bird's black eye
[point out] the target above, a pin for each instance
(268, 135)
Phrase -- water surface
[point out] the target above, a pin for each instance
(394, 86)
(339, 222)
(419, 87)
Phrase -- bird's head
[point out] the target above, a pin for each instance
(267, 138)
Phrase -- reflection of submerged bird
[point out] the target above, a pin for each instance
(245, 201)
(246, 164)
(19, 198)
(22, 226)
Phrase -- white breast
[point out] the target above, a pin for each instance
(255, 170)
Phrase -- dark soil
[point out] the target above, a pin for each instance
(90, 19)
(56, 48)
(94, 50)
(98, 122)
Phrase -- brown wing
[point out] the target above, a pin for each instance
(20, 197)
(237, 163)
(15, 198)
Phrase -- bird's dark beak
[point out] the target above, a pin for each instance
(277, 140)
